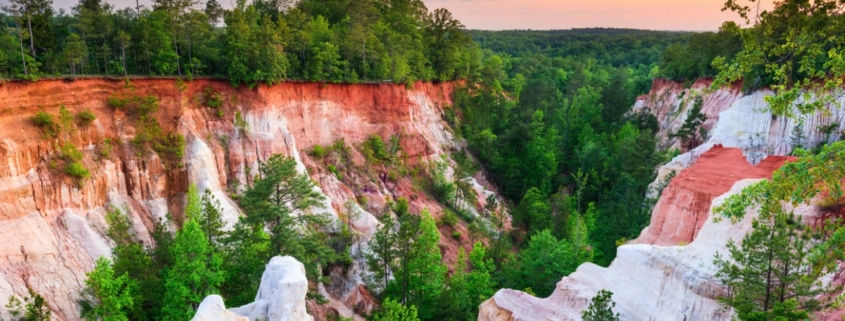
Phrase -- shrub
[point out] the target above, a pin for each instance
(77, 171)
(105, 149)
(70, 153)
(170, 148)
(465, 214)
(374, 148)
(392, 176)
(85, 118)
(46, 123)
(135, 106)
(333, 170)
(318, 151)
(449, 218)
(211, 98)
(240, 122)
(456, 235)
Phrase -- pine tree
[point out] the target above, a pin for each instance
(691, 132)
(195, 273)
(468, 287)
(211, 218)
(601, 308)
(74, 51)
(427, 273)
(112, 294)
(768, 272)
(382, 252)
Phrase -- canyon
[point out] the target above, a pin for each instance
(667, 273)
(54, 226)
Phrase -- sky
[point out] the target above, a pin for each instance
(688, 15)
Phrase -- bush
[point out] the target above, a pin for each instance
(135, 106)
(465, 214)
(240, 122)
(374, 148)
(333, 170)
(46, 123)
(211, 98)
(170, 148)
(70, 153)
(449, 218)
(85, 118)
(77, 171)
(456, 235)
(318, 151)
(105, 149)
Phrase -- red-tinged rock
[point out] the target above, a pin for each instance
(682, 209)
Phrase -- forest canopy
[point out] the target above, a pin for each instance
(316, 40)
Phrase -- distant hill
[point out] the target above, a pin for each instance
(611, 45)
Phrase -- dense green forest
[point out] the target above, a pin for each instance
(349, 41)
(549, 121)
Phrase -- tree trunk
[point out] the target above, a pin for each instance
(190, 58)
(176, 46)
(123, 53)
(31, 40)
(105, 61)
(20, 41)
(769, 273)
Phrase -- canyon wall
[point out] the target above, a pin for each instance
(53, 226)
(667, 273)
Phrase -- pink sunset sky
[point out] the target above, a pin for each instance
(690, 15)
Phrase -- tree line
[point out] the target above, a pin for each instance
(265, 41)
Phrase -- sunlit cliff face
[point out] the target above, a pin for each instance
(53, 226)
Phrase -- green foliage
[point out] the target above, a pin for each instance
(768, 273)
(792, 49)
(391, 310)
(543, 263)
(691, 133)
(449, 218)
(374, 150)
(195, 273)
(601, 308)
(546, 106)
(693, 60)
(31, 308)
(148, 133)
(85, 117)
(270, 204)
(240, 123)
(211, 98)
(318, 152)
(467, 288)
(45, 121)
(382, 253)
(426, 273)
(111, 294)
(77, 171)
(105, 149)
(70, 153)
